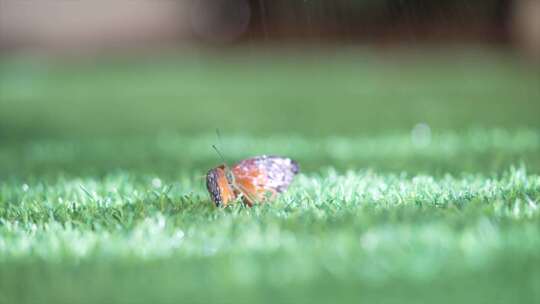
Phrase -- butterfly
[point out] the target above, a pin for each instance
(257, 179)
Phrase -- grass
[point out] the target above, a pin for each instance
(102, 194)
(131, 239)
(348, 92)
(137, 233)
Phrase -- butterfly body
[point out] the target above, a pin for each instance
(256, 179)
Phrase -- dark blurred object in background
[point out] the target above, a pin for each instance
(382, 20)
(526, 27)
(84, 25)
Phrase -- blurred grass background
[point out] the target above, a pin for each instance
(325, 107)
(316, 93)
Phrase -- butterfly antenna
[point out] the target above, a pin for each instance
(218, 134)
(219, 153)
(220, 141)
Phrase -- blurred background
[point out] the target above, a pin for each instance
(93, 25)
(78, 68)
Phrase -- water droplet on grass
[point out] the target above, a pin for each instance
(156, 182)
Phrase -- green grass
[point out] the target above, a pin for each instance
(102, 194)
(347, 92)
(81, 224)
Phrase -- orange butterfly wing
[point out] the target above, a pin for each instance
(219, 188)
(261, 178)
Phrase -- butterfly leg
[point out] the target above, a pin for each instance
(246, 198)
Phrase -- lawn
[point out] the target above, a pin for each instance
(420, 178)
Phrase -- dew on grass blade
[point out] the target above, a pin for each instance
(156, 182)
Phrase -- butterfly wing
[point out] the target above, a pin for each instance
(219, 188)
(262, 175)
